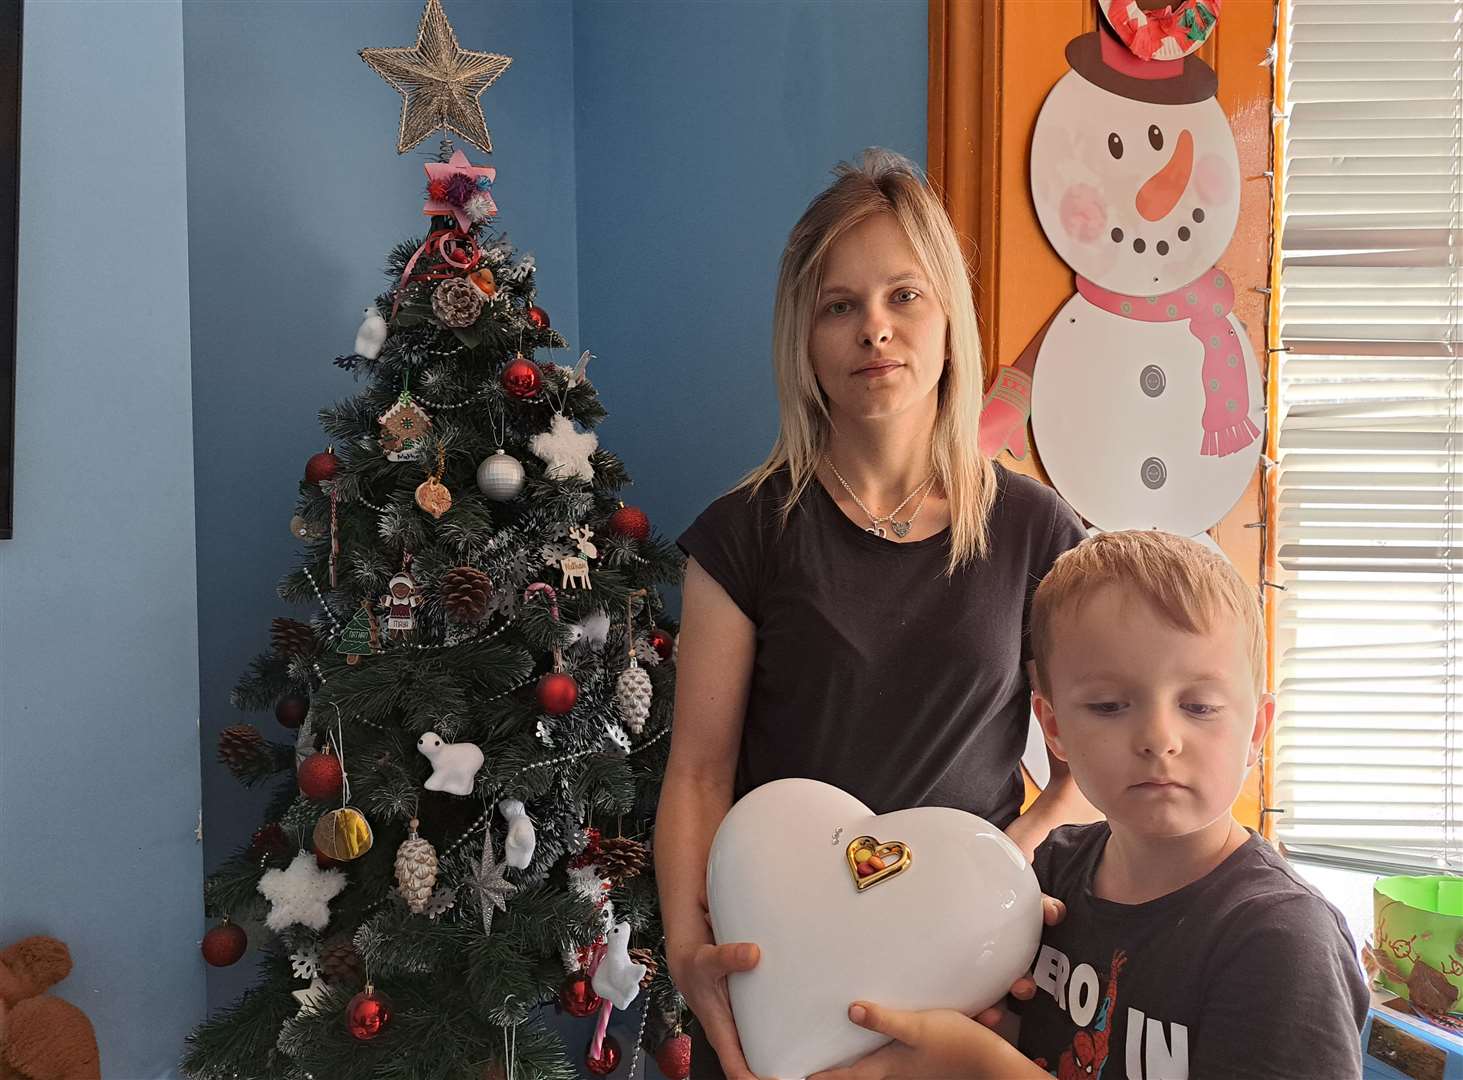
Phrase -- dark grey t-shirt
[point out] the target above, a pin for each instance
(1245, 974)
(874, 672)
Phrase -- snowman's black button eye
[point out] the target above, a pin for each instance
(1155, 137)
(1114, 145)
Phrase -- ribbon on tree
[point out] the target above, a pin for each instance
(445, 241)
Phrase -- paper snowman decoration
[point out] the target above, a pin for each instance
(1145, 398)
(917, 909)
(454, 765)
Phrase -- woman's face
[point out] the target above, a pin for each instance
(879, 335)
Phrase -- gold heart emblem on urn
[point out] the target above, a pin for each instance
(870, 861)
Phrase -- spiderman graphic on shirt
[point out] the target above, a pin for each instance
(1084, 1059)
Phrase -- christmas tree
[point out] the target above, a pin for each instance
(480, 700)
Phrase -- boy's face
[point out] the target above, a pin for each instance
(1159, 726)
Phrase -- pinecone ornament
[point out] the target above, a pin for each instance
(620, 857)
(340, 964)
(240, 746)
(457, 302)
(292, 638)
(646, 957)
(466, 592)
(632, 694)
(416, 870)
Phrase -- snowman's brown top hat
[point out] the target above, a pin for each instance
(1102, 59)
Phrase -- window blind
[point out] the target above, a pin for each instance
(1369, 503)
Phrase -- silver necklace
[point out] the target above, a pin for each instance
(876, 524)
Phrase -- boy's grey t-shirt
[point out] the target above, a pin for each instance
(874, 671)
(1245, 974)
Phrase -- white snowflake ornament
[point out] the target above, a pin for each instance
(306, 963)
(441, 903)
(300, 894)
(564, 450)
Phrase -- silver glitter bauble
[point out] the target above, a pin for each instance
(500, 477)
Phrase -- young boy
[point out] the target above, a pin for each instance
(1190, 948)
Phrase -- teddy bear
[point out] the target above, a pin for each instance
(42, 1037)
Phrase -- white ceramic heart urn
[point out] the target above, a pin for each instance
(916, 909)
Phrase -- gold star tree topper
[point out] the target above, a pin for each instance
(440, 82)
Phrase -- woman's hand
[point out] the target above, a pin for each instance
(700, 972)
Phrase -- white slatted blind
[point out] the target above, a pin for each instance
(1369, 735)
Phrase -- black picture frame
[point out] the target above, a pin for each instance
(10, 58)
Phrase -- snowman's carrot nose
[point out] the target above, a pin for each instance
(1164, 188)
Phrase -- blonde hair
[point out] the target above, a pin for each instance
(1193, 588)
(881, 183)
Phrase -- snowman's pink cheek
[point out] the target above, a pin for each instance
(1084, 213)
(1214, 179)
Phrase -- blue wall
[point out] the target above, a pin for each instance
(98, 646)
(702, 131)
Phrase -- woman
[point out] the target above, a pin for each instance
(855, 611)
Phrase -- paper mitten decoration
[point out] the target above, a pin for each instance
(454, 765)
(521, 840)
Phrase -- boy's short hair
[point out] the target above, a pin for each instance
(1186, 583)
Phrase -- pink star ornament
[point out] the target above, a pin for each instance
(444, 171)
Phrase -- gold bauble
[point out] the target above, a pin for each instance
(343, 834)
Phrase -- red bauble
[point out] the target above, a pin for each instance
(291, 710)
(224, 944)
(578, 997)
(662, 643)
(608, 1060)
(269, 840)
(322, 466)
(674, 1057)
(557, 693)
(630, 521)
(538, 316)
(321, 777)
(522, 378)
(367, 1014)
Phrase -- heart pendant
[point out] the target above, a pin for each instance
(901, 528)
(872, 862)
